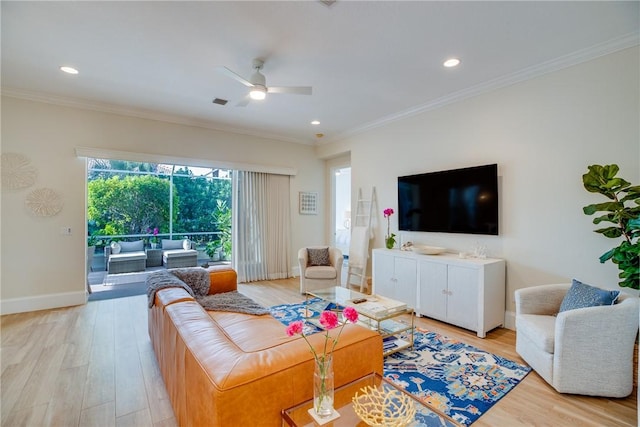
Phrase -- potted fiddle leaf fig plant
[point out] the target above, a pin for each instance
(622, 212)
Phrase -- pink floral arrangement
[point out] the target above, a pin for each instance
(154, 239)
(329, 320)
(390, 238)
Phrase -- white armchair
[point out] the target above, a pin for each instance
(319, 276)
(583, 351)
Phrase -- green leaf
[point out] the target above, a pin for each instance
(609, 171)
(633, 224)
(602, 207)
(617, 184)
(607, 255)
(611, 232)
(608, 218)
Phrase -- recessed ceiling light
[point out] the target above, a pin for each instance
(69, 70)
(451, 62)
(315, 122)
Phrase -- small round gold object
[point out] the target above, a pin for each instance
(389, 408)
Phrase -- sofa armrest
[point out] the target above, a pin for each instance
(600, 340)
(222, 279)
(544, 299)
(302, 260)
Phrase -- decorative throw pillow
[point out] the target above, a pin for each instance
(115, 248)
(318, 256)
(581, 295)
(186, 244)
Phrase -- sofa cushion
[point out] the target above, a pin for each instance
(128, 256)
(177, 253)
(171, 244)
(320, 272)
(581, 295)
(539, 329)
(138, 245)
(318, 256)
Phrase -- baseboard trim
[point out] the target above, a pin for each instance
(42, 302)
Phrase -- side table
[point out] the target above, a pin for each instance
(154, 257)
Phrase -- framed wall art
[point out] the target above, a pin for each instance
(308, 203)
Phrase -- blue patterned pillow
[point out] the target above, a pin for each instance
(581, 295)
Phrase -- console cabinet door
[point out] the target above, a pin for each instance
(395, 277)
(406, 280)
(383, 274)
(462, 304)
(433, 290)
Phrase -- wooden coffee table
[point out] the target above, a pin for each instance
(299, 415)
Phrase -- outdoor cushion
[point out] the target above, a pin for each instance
(176, 253)
(115, 248)
(128, 256)
(186, 244)
(131, 246)
(171, 244)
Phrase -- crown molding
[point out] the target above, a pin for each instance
(101, 107)
(574, 58)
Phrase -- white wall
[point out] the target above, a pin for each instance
(543, 134)
(40, 268)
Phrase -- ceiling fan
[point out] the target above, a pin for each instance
(258, 84)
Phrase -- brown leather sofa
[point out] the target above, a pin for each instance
(233, 369)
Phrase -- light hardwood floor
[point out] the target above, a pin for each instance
(93, 365)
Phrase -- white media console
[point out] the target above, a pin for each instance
(466, 292)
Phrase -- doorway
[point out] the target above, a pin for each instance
(341, 216)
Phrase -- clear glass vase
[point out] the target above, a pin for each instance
(323, 386)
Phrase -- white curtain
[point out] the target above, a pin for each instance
(262, 220)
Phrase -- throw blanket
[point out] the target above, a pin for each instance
(196, 282)
(196, 277)
(232, 301)
(163, 279)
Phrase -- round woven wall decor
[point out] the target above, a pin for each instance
(17, 171)
(44, 202)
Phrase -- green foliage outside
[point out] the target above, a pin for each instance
(129, 205)
(198, 199)
(222, 220)
(124, 203)
(623, 211)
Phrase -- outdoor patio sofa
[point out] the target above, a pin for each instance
(179, 253)
(125, 257)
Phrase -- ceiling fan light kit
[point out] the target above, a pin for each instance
(258, 92)
(258, 84)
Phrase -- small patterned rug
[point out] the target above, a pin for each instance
(460, 380)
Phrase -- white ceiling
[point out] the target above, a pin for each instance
(368, 62)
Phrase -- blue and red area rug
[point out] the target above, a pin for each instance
(460, 380)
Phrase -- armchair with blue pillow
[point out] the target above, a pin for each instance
(578, 338)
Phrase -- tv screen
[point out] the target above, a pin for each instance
(451, 201)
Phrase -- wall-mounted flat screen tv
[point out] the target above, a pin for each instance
(450, 201)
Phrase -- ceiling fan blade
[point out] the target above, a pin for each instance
(297, 90)
(227, 72)
(244, 101)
